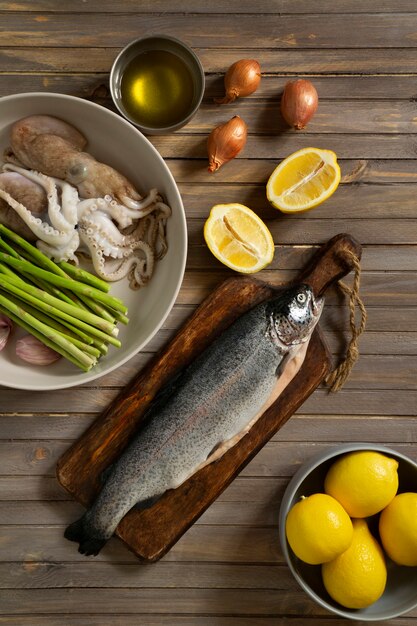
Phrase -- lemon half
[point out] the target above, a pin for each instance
(303, 180)
(238, 238)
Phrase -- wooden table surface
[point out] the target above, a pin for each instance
(228, 569)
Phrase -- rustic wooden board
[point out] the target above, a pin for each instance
(150, 533)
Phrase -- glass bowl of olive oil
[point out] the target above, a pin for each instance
(157, 83)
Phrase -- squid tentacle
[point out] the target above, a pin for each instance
(42, 230)
(65, 252)
(57, 219)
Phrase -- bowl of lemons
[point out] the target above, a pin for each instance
(348, 531)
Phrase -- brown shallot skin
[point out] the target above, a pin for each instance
(225, 142)
(241, 79)
(299, 103)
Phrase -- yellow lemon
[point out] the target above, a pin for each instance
(357, 577)
(398, 529)
(303, 180)
(363, 482)
(238, 238)
(318, 529)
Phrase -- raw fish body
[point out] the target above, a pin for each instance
(214, 400)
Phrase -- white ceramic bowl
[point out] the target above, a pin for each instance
(400, 595)
(114, 141)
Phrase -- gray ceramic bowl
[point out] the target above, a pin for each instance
(400, 594)
(116, 142)
(167, 44)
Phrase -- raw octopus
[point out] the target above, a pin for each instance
(67, 199)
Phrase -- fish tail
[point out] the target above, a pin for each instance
(88, 544)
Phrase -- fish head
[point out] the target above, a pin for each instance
(293, 316)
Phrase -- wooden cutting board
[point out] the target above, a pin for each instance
(152, 532)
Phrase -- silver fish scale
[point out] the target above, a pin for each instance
(222, 391)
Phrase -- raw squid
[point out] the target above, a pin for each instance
(25, 192)
(84, 203)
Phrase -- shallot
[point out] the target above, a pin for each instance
(299, 103)
(5, 328)
(225, 142)
(33, 351)
(241, 79)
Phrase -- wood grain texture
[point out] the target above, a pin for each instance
(320, 63)
(379, 30)
(282, 7)
(228, 569)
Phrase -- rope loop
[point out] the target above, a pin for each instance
(336, 379)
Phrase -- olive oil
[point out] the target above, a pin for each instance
(157, 89)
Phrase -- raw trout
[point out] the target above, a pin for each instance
(204, 410)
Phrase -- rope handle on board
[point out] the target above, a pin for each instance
(336, 379)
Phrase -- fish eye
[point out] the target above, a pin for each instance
(301, 298)
(77, 173)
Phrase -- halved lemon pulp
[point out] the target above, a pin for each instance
(303, 180)
(238, 238)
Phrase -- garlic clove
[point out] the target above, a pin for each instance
(33, 351)
(5, 329)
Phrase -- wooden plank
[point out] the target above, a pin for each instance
(83, 86)
(302, 230)
(43, 487)
(336, 116)
(361, 146)
(374, 258)
(255, 170)
(39, 458)
(300, 427)
(30, 487)
(173, 620)
(281, 7)
(34, 575)
(388, 430)
(266, 31)
(202, 543)
(334, 91)
(349, 202)
(377, 288)
(168, 601)
(327, 61)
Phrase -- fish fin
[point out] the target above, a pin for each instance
(214, 449)
(165, 392)
(88, 545)
(281, 366)
(147, 502)
(106, 473)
